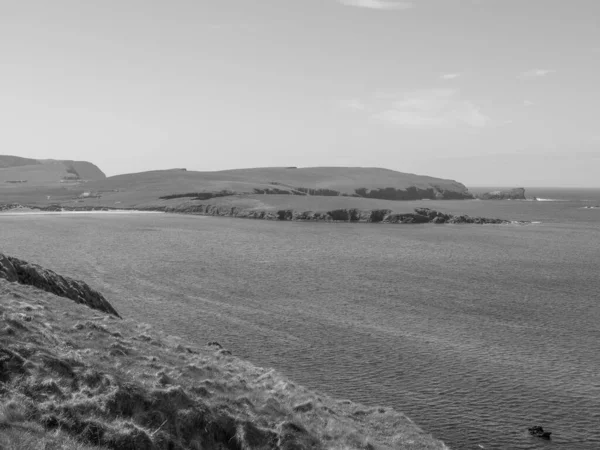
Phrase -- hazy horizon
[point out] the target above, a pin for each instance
(485, 92)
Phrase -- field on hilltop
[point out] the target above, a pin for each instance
(242, 185)
(330, 181)
(258, 190)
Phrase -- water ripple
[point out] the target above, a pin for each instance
(476, 333)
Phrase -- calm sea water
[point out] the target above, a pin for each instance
(476, 332)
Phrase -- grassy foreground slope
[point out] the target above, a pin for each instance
(75, 378)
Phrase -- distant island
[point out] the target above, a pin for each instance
(509, 194)
(346, 194)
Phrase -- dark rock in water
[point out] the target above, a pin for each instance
(538, 431)
(16, 270)
(511, 194)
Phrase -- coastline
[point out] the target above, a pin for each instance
(343, 215)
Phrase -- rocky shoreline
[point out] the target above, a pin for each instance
(419, 216)
(387, 216)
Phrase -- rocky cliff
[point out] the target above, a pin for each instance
(421, 215)
(510, 194)
(19, 271)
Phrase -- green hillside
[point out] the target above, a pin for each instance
(47, 173)
(313, 181)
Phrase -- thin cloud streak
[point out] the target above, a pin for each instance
(430, 108)
(450, 76)
(354, 105)
(536, 73)
(384, 5)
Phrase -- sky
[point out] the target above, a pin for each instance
(486, 92)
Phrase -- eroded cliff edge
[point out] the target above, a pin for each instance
(16, 270)
(420, 215)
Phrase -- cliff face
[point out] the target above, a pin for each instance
(16, 270)
(421, 215)
(511, 194)
(415, 193)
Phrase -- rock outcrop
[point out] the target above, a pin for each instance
(538, 431)
(421, 215)
(415, 193)
(19, 271)
(511, 194)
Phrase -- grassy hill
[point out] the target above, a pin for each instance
(46, 173)
(318, 189)
(73, 378)
(134, 189)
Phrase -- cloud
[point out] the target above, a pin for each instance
(378, 4)
(527, 103)
(536, 73)
(433, 108)
(450, 76)
(354, 105)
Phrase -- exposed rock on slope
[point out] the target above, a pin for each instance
(512, 194)
(16, 270)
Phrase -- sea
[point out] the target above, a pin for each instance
(476, 332)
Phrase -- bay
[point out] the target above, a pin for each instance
(475, 332)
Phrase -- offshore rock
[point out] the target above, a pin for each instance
(22, 272)
(511, 194)
(538, 431)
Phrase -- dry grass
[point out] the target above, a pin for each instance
(73, 379)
